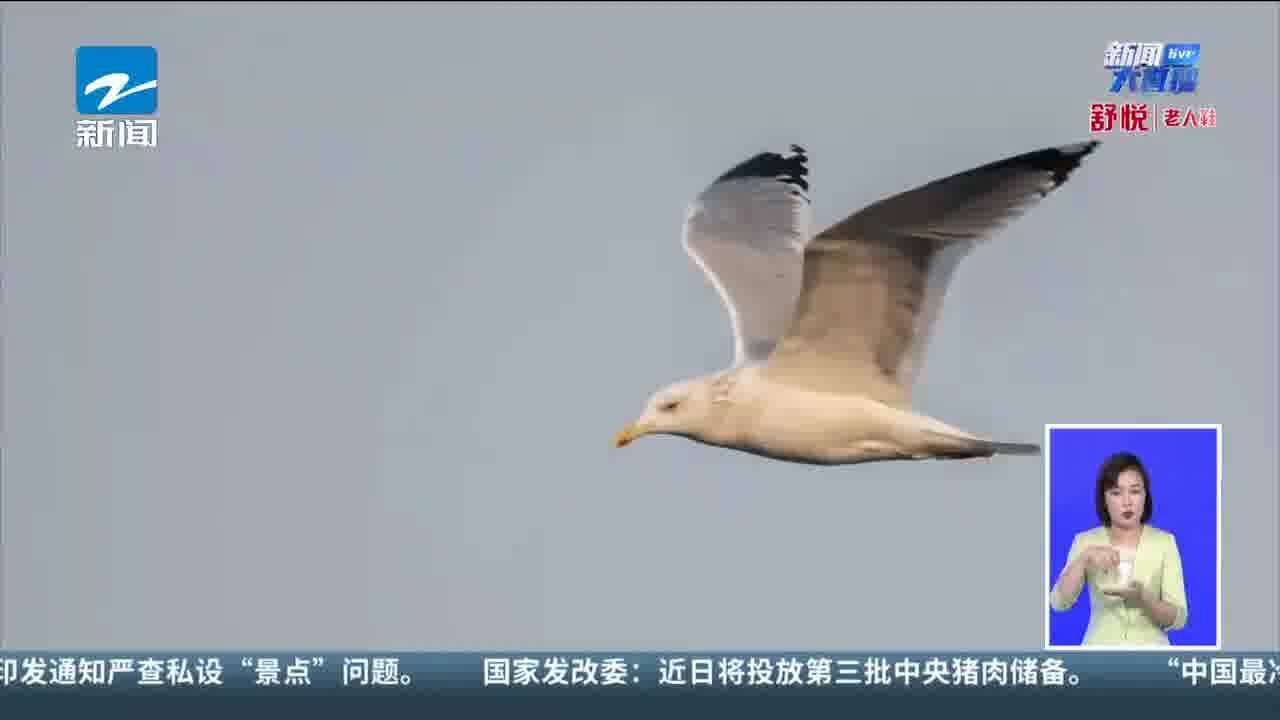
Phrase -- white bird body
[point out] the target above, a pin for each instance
(751, 413)
(830, 330)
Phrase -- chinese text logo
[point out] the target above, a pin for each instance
(1153, 67)
(113, 81)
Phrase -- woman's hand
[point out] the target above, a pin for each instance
(1133, 592)
(1101, 557)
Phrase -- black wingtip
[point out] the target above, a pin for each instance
(790, 168)
(1060, 161)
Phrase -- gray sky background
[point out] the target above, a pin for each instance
(339, 362)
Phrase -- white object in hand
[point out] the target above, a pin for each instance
(1122, 575)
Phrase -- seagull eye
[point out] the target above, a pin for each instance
(669, 405)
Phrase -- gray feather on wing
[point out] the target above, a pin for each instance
(872, 284)
(747, 232)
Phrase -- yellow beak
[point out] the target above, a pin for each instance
(628, 434)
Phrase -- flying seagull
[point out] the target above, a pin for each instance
(830, 329)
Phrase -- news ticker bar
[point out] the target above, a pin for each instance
(630, 672)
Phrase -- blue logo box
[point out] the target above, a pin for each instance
(1181, 55)
(116, 80)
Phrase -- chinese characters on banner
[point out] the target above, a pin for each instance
(1133, 117)
(1240, 674)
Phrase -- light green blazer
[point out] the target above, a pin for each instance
(1112, 620)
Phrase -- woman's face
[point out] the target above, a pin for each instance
(1126, 500)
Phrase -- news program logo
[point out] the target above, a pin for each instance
(1145, 68)
(116, 80)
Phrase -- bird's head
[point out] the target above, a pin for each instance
(680, 408)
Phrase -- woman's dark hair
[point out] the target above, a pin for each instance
(1109, 476)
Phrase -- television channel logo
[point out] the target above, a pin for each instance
(1147, 68)
(111, 81)
(116, 80)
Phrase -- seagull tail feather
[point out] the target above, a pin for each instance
(1009, 448)
(960, 446)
